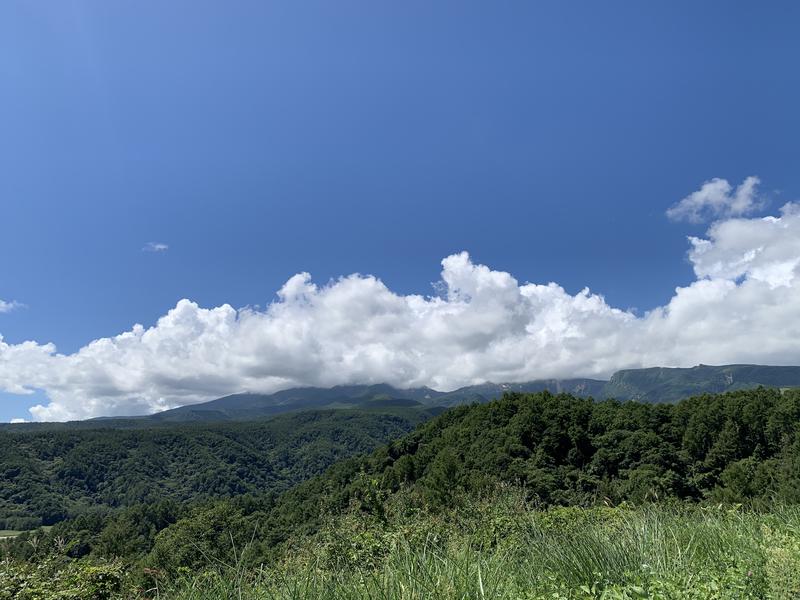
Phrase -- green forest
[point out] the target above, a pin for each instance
(51, 474)
(529, 496)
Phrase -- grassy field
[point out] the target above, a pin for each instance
(494, 548)
(510, 552)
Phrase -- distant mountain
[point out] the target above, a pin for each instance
(489, 391)
(248, 406)
(661, 384)
(379, 396)
(657, 384)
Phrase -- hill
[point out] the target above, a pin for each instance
(490, 391)
(248, 406)
(741, 447)
(661, 384)
(48, 475)
(532, 495)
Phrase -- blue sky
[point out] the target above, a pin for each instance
(261, 139)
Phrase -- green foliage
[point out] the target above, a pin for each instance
(54, 578)
(595, 500)
(501, 547)
(783, 560)
(50, 475)
(573, 452)
(498, 546)
(212, 536)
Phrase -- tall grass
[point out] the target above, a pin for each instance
(503, 549)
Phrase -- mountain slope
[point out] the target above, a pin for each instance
(661, 384)
(248, 406)
(490, 391)
(735, 447)
(652, 385)
(658, 384)
(742, 446)
(52, 474)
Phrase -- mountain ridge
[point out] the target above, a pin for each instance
(651, 385)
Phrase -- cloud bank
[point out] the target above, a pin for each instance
(718, 198)
(744, 306)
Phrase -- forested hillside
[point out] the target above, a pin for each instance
(740, 447)
(656, 492)
(665, 498)
(50, 475)
(736, 447)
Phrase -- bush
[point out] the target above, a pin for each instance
(56, 578)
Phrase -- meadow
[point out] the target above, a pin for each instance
(497, 547)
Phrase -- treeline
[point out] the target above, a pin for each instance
(51, 475)
(740, 447)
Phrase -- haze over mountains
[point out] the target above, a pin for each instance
(656, 384)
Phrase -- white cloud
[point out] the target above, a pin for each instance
(766, 249)
(13, 421)
(717, 198)
(6, 307)
(155, 247)
(744, 306)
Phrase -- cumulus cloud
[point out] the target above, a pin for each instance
(6, 307)
(718, 199)
(155, 247)
(744, 306)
